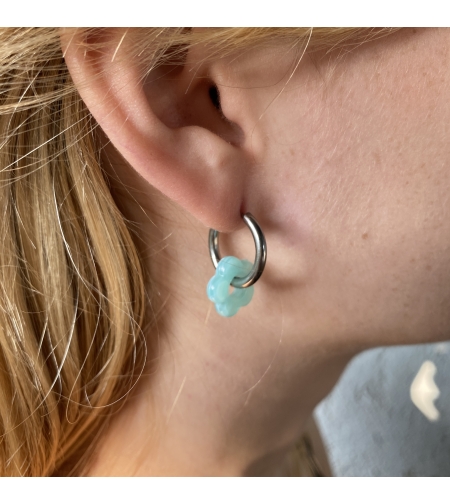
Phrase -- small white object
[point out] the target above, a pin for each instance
(424, 391)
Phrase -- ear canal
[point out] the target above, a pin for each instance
(215, 96)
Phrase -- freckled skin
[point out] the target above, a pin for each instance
(354, 176)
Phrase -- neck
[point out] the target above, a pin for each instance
(221, 396)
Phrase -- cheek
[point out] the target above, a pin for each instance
(356, 187)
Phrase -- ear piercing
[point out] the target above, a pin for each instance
(233, 272)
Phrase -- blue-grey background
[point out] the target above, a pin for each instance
(369, 424)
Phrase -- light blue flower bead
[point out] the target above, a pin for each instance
(218, 290)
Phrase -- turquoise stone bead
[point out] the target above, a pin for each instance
(218, 289)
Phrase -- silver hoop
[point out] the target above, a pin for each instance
(260, 252)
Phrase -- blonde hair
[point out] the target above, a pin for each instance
(73, 301)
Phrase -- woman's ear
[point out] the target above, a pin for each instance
(167, 125)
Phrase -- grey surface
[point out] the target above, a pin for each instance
(370, 425)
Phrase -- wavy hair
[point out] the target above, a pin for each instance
(73, 301)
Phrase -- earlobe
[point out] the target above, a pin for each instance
(170, 137)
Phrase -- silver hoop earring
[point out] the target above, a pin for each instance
(231, 271)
